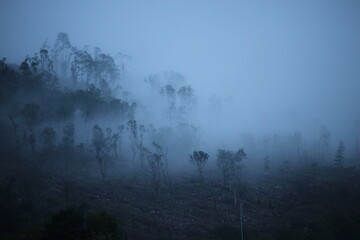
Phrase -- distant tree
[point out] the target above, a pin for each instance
(225, 163)
(67, 224)
(34, 64)
(239, 156)
(82, 67)
(31, 140)
(47, 72)
(25, 66)
(155, 161)
(297, 141)
(199, 159)
(339, 155)
(75, 68)
(98, 69)
(158, 165)
(3, 66)
(31, 115)
(120, 134)
(165, 166)
(73, 224)
(46, 63)
(248, 140)
(230, 163)
(112, 140)
(266, 143)
(105, 89)
(324, 140)
(267, 163)
(62, 54)
(101, 148)
(65, 111)
(285, 167)
(140, 144)
(48, 137)
(104, 68)
(16, 126)
(187, 99)
(102, 226)
(115, 139)
(153, 80)
(68, 137)
(133, 130)
(108, 131)
(168, 91)
(89, 101)
(186, 94)
(357, 140)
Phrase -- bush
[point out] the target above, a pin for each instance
(67, 224)
(72, 224)
(102, 226)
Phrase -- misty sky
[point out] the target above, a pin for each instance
(281, 62)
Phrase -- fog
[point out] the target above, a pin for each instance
(129, 99)
(289, 62)
(273, 67)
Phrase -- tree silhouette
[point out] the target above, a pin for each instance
(199, 159)
(101, 148)
(339, 155)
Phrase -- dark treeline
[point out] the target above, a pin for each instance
(85, 156)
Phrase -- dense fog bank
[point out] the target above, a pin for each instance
(89, 88)
(179, 120)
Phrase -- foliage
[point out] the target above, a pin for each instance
(199, 159)
(168, 91)
(230, 163)
(3, 66)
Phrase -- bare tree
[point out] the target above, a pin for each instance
(165, 166)
(120, 134)
(62, 54)
(156, 164)
(101, 148)
(339, 155)
(267, 163)
(132, 128)
(225, 163)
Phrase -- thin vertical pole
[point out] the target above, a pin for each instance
(241, 220)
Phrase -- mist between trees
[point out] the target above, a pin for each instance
(77, 112)
(70, 96)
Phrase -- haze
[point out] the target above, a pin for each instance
(180, 120)
(278, 67)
